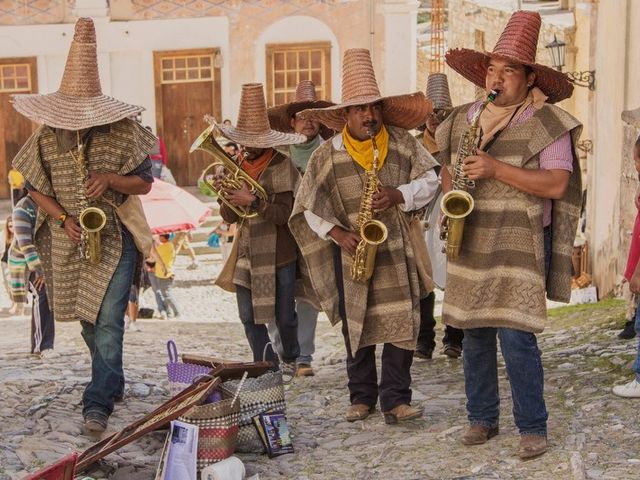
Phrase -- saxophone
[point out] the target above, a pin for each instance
(91, 219)
(458, 203)
(372, 232)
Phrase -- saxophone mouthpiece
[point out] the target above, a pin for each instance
(492, 95)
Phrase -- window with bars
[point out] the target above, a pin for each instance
(187, 68)
(15, 77)
(289, 63)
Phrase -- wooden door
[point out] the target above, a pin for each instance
(17, 75)
(187, 86)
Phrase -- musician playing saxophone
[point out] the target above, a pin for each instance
(335, 193)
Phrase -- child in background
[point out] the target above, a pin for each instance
(632, 275)
(8, 238)
(167, 253)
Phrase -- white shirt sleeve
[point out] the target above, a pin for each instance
(419, 192)
(319, 225)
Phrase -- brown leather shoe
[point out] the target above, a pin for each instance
(304, 370)
(358, 411)
(478, 434)
(532, 446)
(401, 413)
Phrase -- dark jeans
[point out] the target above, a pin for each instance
(104, 339)
(42, 324)
(427, 333)
(395, 377)
(286, 318)
(524, 368)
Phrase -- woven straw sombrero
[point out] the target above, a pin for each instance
(359, 87)
(518, 43)
(632, 117)
(438, 91)
(252, 128)
(305, 97)
(79, 103)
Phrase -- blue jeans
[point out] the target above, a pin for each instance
(307, 321)
(155, 286)
(286, 318)
(105, 338)
(636, 363)
(524, 367)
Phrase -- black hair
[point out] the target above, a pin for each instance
(166, 236)
(231, 144)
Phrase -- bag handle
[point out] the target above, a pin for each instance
(172, 350)
(240, 385)
(264, 351)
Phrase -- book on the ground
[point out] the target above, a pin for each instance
(276, 433)
(179, 456)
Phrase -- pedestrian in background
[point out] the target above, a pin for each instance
(166, 303)
(182, 240)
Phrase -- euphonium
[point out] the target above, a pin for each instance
(372, 232)
(234, 175)
(457, 204)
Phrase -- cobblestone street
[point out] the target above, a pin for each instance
(592, 433)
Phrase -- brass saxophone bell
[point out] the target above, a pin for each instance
(92, 220)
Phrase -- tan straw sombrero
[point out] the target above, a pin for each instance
(632, 117)
(252, 128)
(359, 87)
(438, 91)
(518, 43)
(305, 97)
(79, 103)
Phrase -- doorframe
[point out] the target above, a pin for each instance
(216, 83)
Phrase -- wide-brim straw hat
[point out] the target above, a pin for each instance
(79, 102)
(632, 117)
(517, 43)
(438, 91)
(252, 128)
(305, 97)
(359, 87)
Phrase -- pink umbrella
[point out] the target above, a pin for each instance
(171, 209)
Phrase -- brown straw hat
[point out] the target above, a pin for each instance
(438, 91)
(79, 102)
(518, 43)
(280, 116)
(632, 117)
(252, 128)
(359, 87)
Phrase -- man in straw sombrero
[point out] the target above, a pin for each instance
(438, 92)
(518, 239)
(385, 309)
(86, 152)
(284, 119)
(264, 266)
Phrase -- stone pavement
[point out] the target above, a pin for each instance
(593, 435)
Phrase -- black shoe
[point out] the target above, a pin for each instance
(451, 350)
(424, 353)
(629, 330)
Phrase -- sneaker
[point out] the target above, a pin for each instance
(127, 322)
(629, 330)
(628, 390)
(133, 326)
(452, 351)
(48, 354)
(424, 353)
(95, 422)
(163, 315)
(288, 370)
(193, 266)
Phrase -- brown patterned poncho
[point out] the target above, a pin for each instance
(256, 266)
(77, 287)
(498, 279)
(386, 310)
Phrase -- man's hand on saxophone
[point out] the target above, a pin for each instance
(345, 238)
(72, 228)
(386, 198)
(481, 165)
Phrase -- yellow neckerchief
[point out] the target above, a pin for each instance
(362, 151)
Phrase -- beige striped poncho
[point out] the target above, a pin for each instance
(386, 310)
(76, 287)
(498, 279)
(256, 265)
